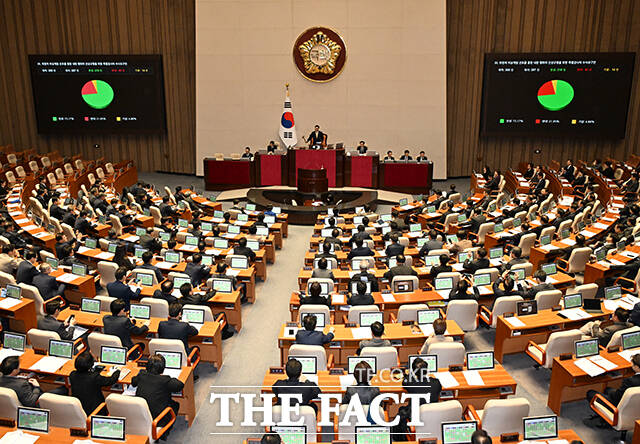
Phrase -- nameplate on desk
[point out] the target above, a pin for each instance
(335, 344)
(509, 437)
(336, 371)
(428, 441)
(229, 307)
(276, 370)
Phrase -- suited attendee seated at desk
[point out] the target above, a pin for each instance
(50, 321)
(87, 384)
(189, 297)
(394, 248)
(174, 328)
(119, 324)
(27, 269)
(406, 156)
(365, 276)
(9, 259)
(614, 395)
(147, 256)
(481, 262)
(377, 330)
(389, 157)
(360, 233)
(400, 269)
(326, 251)
(272, 147)
(432, 244)
(444, 267)
(292, 385)
(360, 297)
(314, 296)
(540, 278)
(309, 336)
(47, 284)
(157, 389)
(321, 271)
(196, 271)
(243, 250)
(334, 239)
(360, 250)
(439, 330)
(417, 381)
(603, 330)
(165, 292)
(515, 259)
(27, 390)
(461, 291)
(120, 290)
(362, 373)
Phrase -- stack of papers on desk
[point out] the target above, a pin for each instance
(575, 314)
(105, 255)
(232, 272)
(616, 262)
(434, 214)
(165, 264)
(388, 297)
(587, 233)
(83, 250)
(18, 437)
(514, 322)
(600, 226)
(446, 379)
(427, 329)
(549, 247)
(189, 247)
(173, 372)
(602, 362)
(6, 352)
(485, 289)
(346, 381)
(444, 293)
(24, 220)
(338, 299)
(457, 266)
(131, 238)
(213, 251)
(406, 207)
(78, 331)
(67, 277)
(569, 241)
(49, 364)
(473, 377)
(7, 303)
(588, 367)
(361, 333)
(606, 264)
(628, 354)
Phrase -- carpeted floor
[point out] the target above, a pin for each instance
(251, 352)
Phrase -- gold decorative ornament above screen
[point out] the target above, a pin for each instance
(319, 54)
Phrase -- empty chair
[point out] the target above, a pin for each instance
(78, 164)
(68, 168)
(11, 178)
(20, 172)
(33, 166)
(107, 271)
(500, 415)
(39, 339)
(576, 262)
(100, 173)
(313, 308)
(159, 307)
(386, 357)
(175, 345)
(502, 305)
(51, 178)
(433, 415)
(64, 411)
(404, 284)
(547, 299)
(526, 242)
(621, 417)
(449, 353)
(526, 266)
(12, 158)
(409, 312)
(558, 343)
(588, 291)
(464, 312)
(68, 231)
(317, 351)
(138, 417)
(97, 340)
(6, 278)
(115, 224)
(617, 336)
(109, 167)
(9, 403)
(485, 228)
(157, 216)
(494, 272)
(354, 312)
(31, 292)
(550, 231)
(308, 416)
(105, 302)
(59, 174)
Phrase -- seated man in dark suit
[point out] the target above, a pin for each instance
(481, 262)
(361, 148)
(432, 244)
(365, 276)
(444, 267)
(360, 250)
(326, 251)
(314, 297)
(394, 248)
(292, 385)
(604, 331)
(174, 328)
(120, 290)
(196, 271)
(119, 324)
(50, 321)
(309, 336)
(419, 381)
(166, 288)
(362, 373)
(82, 225)
(540, 277)
(189, 297)
(361, 297)
(147, 256)
(27, 268)
(242, 249)
(400, 269)
(166, 209)
(516, 259)
(360, 234)
(321, 271)
(55, 210)
(47, 284)
(27, 390)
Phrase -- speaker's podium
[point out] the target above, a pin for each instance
(312, 181)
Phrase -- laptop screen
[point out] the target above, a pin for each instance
(276, 210)
(36, 420)
(180, 281)
(221, 244)
(415, 228)
(499, 228)
(145, 279)
(402, 286)
(108, 427)
(164, 236)
(250, 207)
(253, 244)
(113, 355)
(545, 240)
(140, 311)
(90, 305)
(613, 292)
(519, 273)
(239, 262)
(172, 257)
(90, 243)
(309, 364)
(629, 340)
(79, 269)
(183, 223)
(463, 257)
(262, 231)
(207, 260)
(141, 231)
(601, 253)
(320, 321)
(369, 317)
(191, 240)
(268, 219)
(291, 434)
(588, 347)
(517, 222)
(218, 214)
(138, 252)
(14, 341)
(206, 226)
(373, 435)
(352, 361)
(431, 360)
(111, 248)
(223, 285)
(386, 217)
(428, 316)
(233, 229)
(193, 315)
(431, 260)
(481, 279)
(53, 262)
(458, 432)
(540, 427)
(495, 253)
(242, 217)
(403, 202)
(445, 283)
(61, 349)
(13, 291)
(171, 359)
(480, 361)
(452, 238)
(550, 269)
(573, 300)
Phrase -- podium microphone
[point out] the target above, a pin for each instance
(338, 203)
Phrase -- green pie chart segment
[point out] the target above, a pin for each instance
(555, 95)
(97, 94)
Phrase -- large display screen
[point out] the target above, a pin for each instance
(556, 94)
(98, 93)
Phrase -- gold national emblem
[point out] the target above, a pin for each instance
(319, 54)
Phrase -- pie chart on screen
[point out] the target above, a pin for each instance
(97, 94)
(555, 95)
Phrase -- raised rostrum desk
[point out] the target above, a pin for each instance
(570, 383)
(312, 181)
(537, 328)
(408, 340)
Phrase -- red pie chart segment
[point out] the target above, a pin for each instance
(547, 89)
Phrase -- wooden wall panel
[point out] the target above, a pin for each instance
(475, 27)
(164, 27)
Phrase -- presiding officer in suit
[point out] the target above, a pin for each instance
(47, 284)
(174, 328)
(317, 137)
(27, 390)
(119, 290)
(119, 324)
(309, 336)
(87, 384)
(50, 321)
